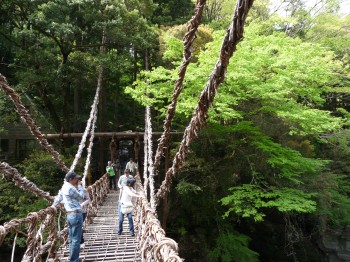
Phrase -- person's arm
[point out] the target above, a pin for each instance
(58, 199)
(85, 203)
(119, 182)
(131, 193)
(87, 197)
(78, 194)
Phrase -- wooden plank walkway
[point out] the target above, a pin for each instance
(102, 242)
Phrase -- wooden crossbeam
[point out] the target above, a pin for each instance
(108, 134)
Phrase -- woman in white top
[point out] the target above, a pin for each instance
(125, 204)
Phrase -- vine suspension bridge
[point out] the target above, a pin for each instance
(44, 230)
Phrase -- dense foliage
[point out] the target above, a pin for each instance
(268, 175)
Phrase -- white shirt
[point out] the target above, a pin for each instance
(132, 166)
(127, 195)
(122, 180)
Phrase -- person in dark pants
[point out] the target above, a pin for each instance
(111, 176)
(84, 206)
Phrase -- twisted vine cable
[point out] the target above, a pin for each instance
(233, 36)
(93, 111)
(149, 157)
(94, 118)
(24, 113)
(189, 38)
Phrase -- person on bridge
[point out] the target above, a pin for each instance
(123, 179)
(122, 182)
(132, 166)
(111, 175)
(84, 206)
(72, 194)
(125, 203)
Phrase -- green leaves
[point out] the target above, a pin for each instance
(280, 75)
(250, 201)
(286, 163)
(184, 188)
(233, 247)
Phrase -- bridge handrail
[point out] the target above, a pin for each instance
(51, 217)
(153, 243)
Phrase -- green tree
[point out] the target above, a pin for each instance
(56, 41)
(170, 12)
(263, 130)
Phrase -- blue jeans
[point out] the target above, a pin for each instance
(121, 219)
(75, 223)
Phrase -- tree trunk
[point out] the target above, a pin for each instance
(76, 108)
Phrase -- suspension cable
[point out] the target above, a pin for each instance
(93, 113)
(233, 36)
(88, 127)
(22, 182)
(94, 118)
(189, 38)
(89, 150)
(149, 157)
(24, 113)
(145, 162)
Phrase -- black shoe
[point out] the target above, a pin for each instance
(119, 233)
(132, 234)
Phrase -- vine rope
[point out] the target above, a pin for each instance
(90, 126)
(232, 38)
(192, 28)
(24, 113)
(152, 242)
(40, 242)
(91, 123)
(145, 164)
(149, 157)
(22, 182)
(94, 118)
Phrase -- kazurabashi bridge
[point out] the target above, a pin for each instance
(46, 232)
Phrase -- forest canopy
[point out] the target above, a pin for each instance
(272, 159)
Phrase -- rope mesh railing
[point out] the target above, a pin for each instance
(152, 242)
(43, 227)
(233, 36)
